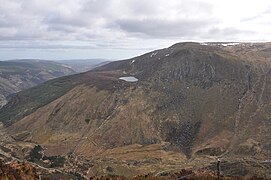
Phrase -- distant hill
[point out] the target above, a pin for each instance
(17, 75)
(21, 74)
(83, 65)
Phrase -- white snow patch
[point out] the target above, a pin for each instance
(167, 55)
(129, 79)
(219, 44)
(229, 44)
(154, 54)
(132, 61)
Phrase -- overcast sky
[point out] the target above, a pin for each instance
(118, 29)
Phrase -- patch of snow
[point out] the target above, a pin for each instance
(154, 54)
(229, 44)
(220, 44)
(129, 79)
(167, 55)
(132, 61)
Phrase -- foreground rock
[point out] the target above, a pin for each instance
(15, 170)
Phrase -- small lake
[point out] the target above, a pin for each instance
(129, 79)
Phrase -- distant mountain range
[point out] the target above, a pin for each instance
(83, 65)
(176, 108)
(17, 75)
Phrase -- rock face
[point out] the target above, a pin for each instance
(194, 99)
(17, 75)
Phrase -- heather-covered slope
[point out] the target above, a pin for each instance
(17, 171)
(190, 100)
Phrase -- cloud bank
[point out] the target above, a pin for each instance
(103, 26)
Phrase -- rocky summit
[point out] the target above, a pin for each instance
(176, 108)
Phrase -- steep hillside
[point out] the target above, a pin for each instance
(191, 100)
(17, 75)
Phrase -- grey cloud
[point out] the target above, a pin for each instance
(67, 46)
(149, 18)
(148, 8)
(158, 7)
(106, 23)
(229, 33)
(96, 18)
(6, 22)
(37, 44)
(8, 19)
(67, 23)
(163, 28)
(247, 19)
(97, 7)
(266, 12)
(60, 27)
(58, 19)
